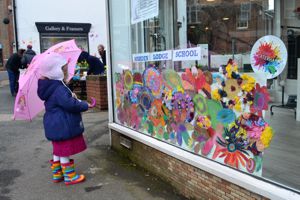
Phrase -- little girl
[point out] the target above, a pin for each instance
(62, 120)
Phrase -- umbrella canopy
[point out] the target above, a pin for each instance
(27, 103)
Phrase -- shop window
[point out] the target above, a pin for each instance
(52, 33)
(146, 91)
(48, 41)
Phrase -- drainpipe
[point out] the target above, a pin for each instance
(15, 26)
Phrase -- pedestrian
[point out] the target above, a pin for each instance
(102, 53)
(96, 67)
(62, 120)
(13, 65)
(27, 57)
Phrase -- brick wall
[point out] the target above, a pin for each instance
(190, 181)
(6, 31)
(96, 86)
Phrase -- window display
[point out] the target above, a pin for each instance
(185, 78)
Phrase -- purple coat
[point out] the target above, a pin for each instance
(62, 120)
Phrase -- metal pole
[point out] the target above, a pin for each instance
(15, 25)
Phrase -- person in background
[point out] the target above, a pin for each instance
(13, 65)
(81, 47)
(102, 53)
(96, 67)
(27, 57)
(62, 120)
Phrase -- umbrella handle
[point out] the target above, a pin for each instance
(93, 102)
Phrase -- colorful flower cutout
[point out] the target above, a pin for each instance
(268, 56)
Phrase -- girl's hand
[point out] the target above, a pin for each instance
(90, 106)
(74, 95)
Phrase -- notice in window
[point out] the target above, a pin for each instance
(142, 10)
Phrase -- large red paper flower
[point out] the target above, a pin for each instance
(232, 157)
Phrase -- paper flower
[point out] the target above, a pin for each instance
(216, 95)
(237, 130)
(203, 122)
(254, 132)
(128, 79)
(137, 78)
(238, 104)
(145, 98)
(153, 80)
(232, 88)
(118, 100)
(200, 104)
(261, 99)
(250, 166)
(226, 116)
(217, 78)
(230, 68)
(208, 77)
(133, 94)
(171, 79)
(248, 83)
(200, 80)
(188, 80)
(231, 154)
(134, 117)
(156, 114)
(266, 136)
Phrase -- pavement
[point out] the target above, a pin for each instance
(25, 172)
(3, 78)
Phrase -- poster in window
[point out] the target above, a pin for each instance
(142, 10)
(268, 56)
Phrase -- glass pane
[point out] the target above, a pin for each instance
(48, 41)
(208, 106)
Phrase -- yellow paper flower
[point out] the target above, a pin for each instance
(216, 95)
(248, 82)
(238, 104)
(266, 136)
(231, 68)
(180, 89)
(203, 122)
(241, 132)
(168, 94)
(118, 99)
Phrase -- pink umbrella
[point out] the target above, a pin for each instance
(27, 103)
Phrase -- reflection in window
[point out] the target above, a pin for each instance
(228, 27)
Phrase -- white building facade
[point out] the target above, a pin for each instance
(45, 23)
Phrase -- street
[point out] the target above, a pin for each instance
(25, 170)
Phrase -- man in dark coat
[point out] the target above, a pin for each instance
(96, 67)
(13, 65)
(27, 57)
